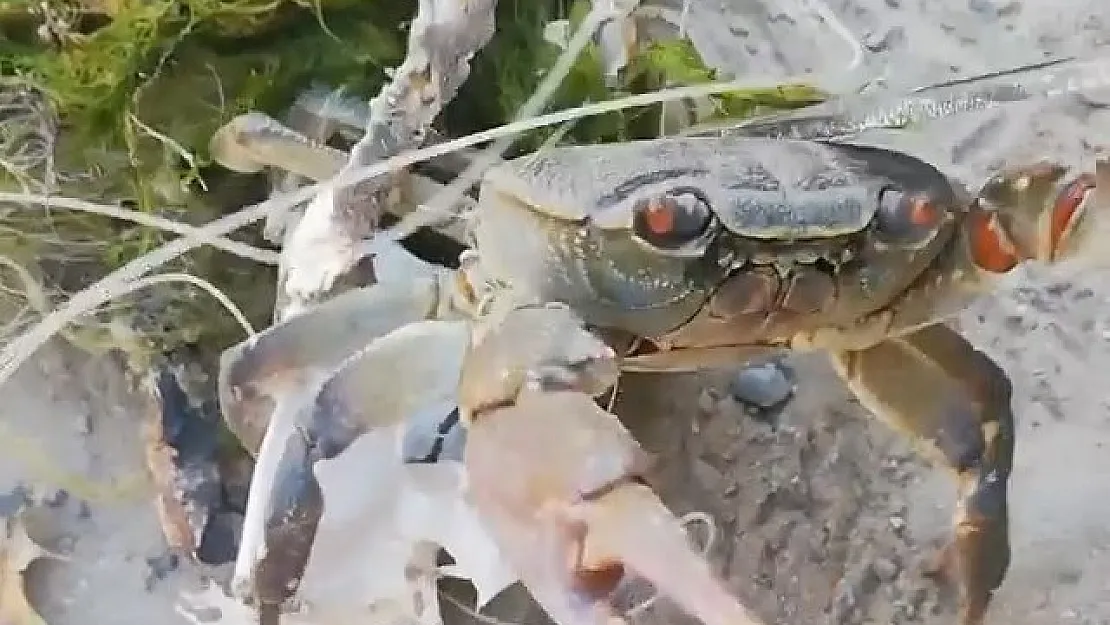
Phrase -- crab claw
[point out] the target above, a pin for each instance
(1041, 212)
(556, 479)
(377, 387)
(283, 359)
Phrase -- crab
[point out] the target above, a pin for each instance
(672, 254)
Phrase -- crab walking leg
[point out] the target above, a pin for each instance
(283, 357)
(253, 141)
(935, 385)
(378, 387)
(284, 507)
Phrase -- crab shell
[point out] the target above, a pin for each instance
(808, 244)
(804, 239)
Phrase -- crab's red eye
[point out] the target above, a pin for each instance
(671, 221)
(659, 215)
(907, 219)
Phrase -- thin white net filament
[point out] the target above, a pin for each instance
(531, 107)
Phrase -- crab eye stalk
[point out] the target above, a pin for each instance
(673, 223)
(907, 220)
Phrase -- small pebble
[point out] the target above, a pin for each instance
(1010, 9)
(220, 542)
(886, 570)
(898, 524)
(983, 7)
(57, 499)
(844, 602)
(764, 385)
(159, 567)
(707, 402)
(874, 42)
(82, 421)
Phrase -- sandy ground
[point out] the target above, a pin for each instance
(818, 506)
(828, 515)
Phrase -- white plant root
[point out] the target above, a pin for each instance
(441, 203)
(443, 37)
(266, 257)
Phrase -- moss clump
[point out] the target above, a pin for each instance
(132, 78)
(125, 95)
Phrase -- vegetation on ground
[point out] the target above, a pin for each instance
(114, 101)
